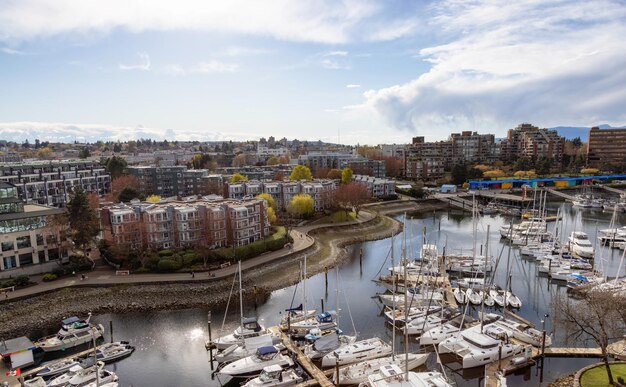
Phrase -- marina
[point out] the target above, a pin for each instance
(363, 315)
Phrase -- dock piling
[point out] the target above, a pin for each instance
(111, 329)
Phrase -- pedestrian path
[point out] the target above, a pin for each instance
(107, 276)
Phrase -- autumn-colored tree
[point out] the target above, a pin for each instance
(213, 187)
(271, 216)
(334, 174)
(483, 168)
(237, 177)
(589, 171)
(361, 169)
(494, 173)
(352, 196)
(393, 166)
(321, 173)
(203, 161)
(269, 199)
(525, 174)
(368, 151)
(346, 176)
(284, 159)
(243, 159)
(120, 183)
(153, 199)
(44, 153)
(279, 176)
(94, 201)
(273, 161)
(301, 172)
(302, 205)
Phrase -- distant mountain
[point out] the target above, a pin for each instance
(571, 132)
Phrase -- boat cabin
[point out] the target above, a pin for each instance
(271, 373)
(73, 323)
(266, 353)
(251, 324)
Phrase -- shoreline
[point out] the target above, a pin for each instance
(328, 251)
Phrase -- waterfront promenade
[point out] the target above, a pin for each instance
(106, 276)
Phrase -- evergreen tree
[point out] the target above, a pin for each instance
(83, 221)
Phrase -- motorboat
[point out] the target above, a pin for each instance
(326, 344)
(580, 245)
(358, 372)
(114, 351)
(421, 324)
(86, 376)
(393, 376)
(109, 384)
(488, 300)
(473, 296)
(498, 296)
(512, 300)
(275, 376)
(57, 367)
(253, 365)
(322, 321)
(358, 351)
(73, 332)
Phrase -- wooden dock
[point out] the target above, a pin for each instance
(319, 378)
(560, 194)
(614, 190)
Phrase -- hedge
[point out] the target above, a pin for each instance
(166, 265)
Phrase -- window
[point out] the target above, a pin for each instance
(6, 246)
(9, 262)
(23, 241)
(26, 259)
(39, 239)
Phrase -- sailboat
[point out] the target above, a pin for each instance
(392, 376)
(249, 327)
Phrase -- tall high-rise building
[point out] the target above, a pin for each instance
(606, 146)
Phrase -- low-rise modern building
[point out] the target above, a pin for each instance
(378, 188)
(606, 147)
(51, 182)
(335, 160)
(185, 223)
(284, 191)
(31, 242)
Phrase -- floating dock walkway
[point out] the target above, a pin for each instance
(614, 190)
(560, 194)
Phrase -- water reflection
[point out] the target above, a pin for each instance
(170, 349)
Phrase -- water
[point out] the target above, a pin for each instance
(170, 344)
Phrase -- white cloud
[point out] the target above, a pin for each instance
(319, 21)
(504, 63)
(10, 51)
(65, 132)
(143, 65)
(243, 51)
(353, 86)
(332, 64)
(336, 53)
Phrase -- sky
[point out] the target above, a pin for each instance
(351, 71)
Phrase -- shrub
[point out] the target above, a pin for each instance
(49, 277)
(9, 284)
(142, 270)
(165, 253)
(166, 265)
(22, 280)
(59, 272)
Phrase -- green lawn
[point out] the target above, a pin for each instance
(596, 377)
(336, 217)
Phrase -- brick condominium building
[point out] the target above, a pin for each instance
(606, 146)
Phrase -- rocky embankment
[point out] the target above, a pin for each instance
(36, 315)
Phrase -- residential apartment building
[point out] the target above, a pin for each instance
(378, 188)
(334, 160)
(527, 140)
(164, 181)
(284, 191)
(606, 146)
(471, 147)
(191, 223)
(426, 160)
(31, 243)
(51, 182)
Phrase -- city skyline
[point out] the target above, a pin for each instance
(356, 72)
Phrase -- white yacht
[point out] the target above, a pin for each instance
(113, 351)
(392, 376)
(253, 365)
(322, 321)
(64, 378)
(477, 349)
(498, 296)
(35, 382)
(275, 376)
(580, 245)
(249, 347)
(421, 324)
(358, 351)
(327, 343)
(473, 296)
(73, 332)
(459, 296)
(512, 300)
(358, 372)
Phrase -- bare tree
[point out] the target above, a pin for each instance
(596, 317)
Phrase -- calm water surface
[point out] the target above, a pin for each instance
(170, 344)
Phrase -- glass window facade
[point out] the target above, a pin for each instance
(7, 246)
(23, 241)
(9, 262)
(15, 225)
(26, 259)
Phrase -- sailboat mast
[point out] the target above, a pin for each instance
(482, 304)
(240, 292)
(304, 285)
(393, 300)
(406, 310)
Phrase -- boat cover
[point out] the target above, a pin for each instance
(70, 320)
(297, 308)
(266, 350)
(325, 317)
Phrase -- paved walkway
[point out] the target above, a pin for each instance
(106, 276)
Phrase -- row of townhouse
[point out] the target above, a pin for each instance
(378, 188)
(51, 183)
(284, 191)
(31, 242)
(191, 223)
